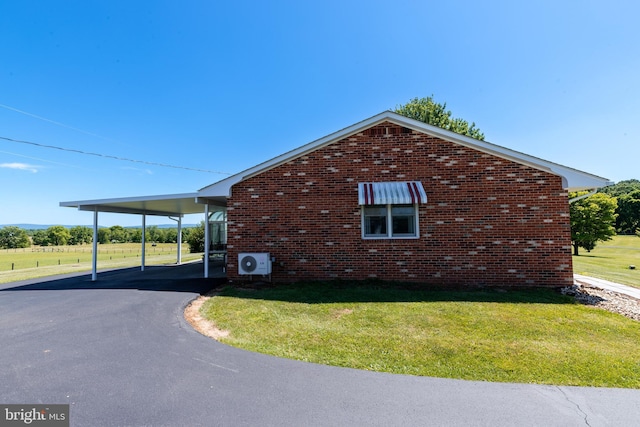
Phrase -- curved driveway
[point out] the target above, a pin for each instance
(120, 353)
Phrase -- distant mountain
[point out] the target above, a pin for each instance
(44, 227)
(32, 226)
(164, 226)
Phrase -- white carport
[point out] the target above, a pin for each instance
(174, 206)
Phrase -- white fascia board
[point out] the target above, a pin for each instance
(76, 204)
(572, 179)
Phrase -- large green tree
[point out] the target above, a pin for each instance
(104, 235)
(12, 237)
(195, 238)
(118, 234)
(171, 235)
(40, 238)
(134, 235)
(154, 234)
(431, 112)
(80, 235)
(628, 221)
(592, 220)
(58, 235)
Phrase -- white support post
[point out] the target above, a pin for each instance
(179, 261)
(144, 229)
(94, 255)
(207, 241)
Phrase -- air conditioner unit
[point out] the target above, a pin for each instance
(254, 263)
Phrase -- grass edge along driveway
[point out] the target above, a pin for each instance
(525, 336)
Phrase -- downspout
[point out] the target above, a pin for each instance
(207, 241)
(94, 255)
(179, 239)
(144, 243)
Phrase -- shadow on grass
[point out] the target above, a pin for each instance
(344, 292)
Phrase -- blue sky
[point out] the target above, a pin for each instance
(222, 86)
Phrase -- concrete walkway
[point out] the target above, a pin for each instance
(605, 284)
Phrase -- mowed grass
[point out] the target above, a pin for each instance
(611, 260)
(29, 263)
(535, 336)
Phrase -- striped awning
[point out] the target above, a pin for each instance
(391, 193)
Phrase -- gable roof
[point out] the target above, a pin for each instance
(572, 179)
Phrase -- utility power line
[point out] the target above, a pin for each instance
(107, 156)
(44, 119)
(43, 160)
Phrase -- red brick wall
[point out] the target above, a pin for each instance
(488, 221)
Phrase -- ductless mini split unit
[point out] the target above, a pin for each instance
(257, 263)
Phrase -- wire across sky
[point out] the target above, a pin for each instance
(108, 156)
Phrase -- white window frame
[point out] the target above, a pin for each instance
(389, 234)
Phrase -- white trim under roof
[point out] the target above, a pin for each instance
(572, 179)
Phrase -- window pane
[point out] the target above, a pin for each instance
(376, 211)
(402, 210)
(403, 220)
(375, 221)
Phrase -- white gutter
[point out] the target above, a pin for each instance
(584, 196)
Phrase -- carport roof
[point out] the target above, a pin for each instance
(160, 205)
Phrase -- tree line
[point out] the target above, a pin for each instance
(627, 194)
(12, 237)
(612, 210)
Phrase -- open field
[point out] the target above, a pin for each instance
(611, 260)
(27, 263)
(517, 336)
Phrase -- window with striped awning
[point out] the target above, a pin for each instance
(391, 193)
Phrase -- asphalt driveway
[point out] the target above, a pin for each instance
(121, 354)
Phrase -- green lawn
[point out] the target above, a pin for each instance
(517, 336)
(611, 260)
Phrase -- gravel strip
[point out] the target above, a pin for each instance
(605, 299)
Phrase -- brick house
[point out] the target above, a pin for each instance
(392, 198)
(387, 198)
